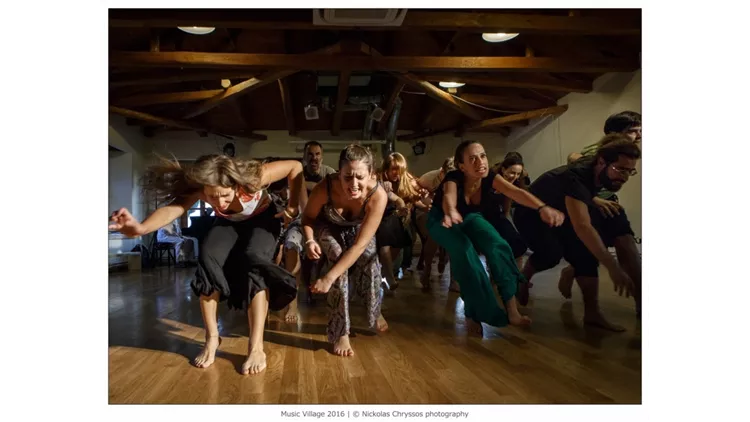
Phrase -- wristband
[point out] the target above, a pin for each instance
(311, 240)
(540, 208)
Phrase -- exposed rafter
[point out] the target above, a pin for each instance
(167, 98)
(286, 102)
(341, 96)
(516, 82)
(500, 121)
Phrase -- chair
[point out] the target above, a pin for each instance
(157, 252)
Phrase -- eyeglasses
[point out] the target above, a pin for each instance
(624, 171)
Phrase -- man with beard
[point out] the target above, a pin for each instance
(572, 189)
(615, 227)
(314, 169)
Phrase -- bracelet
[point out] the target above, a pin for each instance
(286, 213)
(540, 208)
(311, 240)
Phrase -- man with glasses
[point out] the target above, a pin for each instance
(572, 189)
(615, 226)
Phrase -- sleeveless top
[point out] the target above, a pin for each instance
(252, 205)
(332, 216)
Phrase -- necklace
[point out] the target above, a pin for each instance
(473, 188)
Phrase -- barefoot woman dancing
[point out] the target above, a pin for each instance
(343, 213)
(243, 237)
(456, 223)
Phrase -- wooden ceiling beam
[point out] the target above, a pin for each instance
(343, 93)
(512, 103)
(160, 79)
(286, 102)
(526, 115)
(629, 24)
(357, 62)
(504, 82)
(431, 90)
(251, 84)
(179, 123)
(167, 98)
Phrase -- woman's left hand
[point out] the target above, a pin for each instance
(551, 216)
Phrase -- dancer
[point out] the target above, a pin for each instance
(343, 214)
(394, 233)
(431, 181)
(243, 238)
(573, 188)
(497, 211)
(460, 228)
(615, 227)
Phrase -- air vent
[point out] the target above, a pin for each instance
(311, 113)
(358, 17)
(378, 114)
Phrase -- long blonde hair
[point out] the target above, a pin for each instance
(406, 190)
(170, 181)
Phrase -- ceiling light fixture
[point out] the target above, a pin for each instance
(498, 37)
(451, 84)
(197, 30)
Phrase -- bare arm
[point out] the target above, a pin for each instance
(292, 171)
(521, 196)
(167, 214)
(581, 220)
(315, 203)
(506, 206)
(373, 215)
(450, 197)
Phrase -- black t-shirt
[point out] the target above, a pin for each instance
(575, 180)
(464, 209)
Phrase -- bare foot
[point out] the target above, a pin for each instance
(292, 313)
(382, 324)
(342, 347)
(425, 282)
(518, 320)
(208, 354)
(474, 328)
(441, 267)
(597, 320)
(255, 363)
(565, 284)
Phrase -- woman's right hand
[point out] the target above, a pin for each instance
(123, 222)
(313, 250)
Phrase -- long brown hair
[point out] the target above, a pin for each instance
(169, 181)
(405, 189)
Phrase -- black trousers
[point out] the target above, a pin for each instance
(551, 244)
(610, 228)
(236, 259)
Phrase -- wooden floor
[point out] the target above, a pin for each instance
(155, 329)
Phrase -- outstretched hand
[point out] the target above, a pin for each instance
(313, 250)
(451, 218)
(551, 216)
(124, 222)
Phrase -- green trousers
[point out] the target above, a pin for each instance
(464, 243)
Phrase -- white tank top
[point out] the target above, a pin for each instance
(252, 205)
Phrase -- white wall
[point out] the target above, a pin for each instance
(548, 144)
(125, 171)
(440, 147)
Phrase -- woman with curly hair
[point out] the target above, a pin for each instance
(236, 258)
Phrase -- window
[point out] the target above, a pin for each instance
(198, 209)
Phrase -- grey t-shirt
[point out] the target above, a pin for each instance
(313, 179)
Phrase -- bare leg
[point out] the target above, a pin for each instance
(293, 265)
(453, 287)
(592, 314)
(514, 316)
(565, 284)
(385, 254)
(256, 319)
(442, 260)
(519, 263)
(430, 247)
(630, 260)
(474, 328)
(528, 271)
(209, 305)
